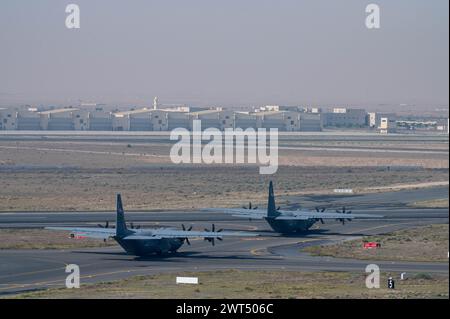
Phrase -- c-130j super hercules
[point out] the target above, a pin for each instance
(143, 242)
(289, 222)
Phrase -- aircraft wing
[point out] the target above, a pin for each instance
(173, 233)
(290, 215)
(287, 215)
(156, 234)
(98, 233)
(240, 212)
(141, 237)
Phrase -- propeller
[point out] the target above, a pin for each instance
(212, 239)
(343, 211)
(105, 226)
(250, 206)
(320, 210)
(184, 229)
(133, 227)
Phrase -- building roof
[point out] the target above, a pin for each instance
(58, 111)
(145, 110)
(206, 112)
(176, 110)
(265, 113)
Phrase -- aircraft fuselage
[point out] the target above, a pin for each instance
(290, 226)
(145, 247)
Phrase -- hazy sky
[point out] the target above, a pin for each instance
(229, 52)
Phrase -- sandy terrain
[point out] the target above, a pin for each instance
(428, 243)
(61, 173)
(257, 284)
(45, 239)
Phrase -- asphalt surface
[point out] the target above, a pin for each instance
(287, 140)
(28, 270)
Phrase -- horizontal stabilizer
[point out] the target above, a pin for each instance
(97, 233)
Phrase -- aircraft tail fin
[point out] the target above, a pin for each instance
(271, 208)
(121, 226)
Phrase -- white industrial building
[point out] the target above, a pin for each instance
(75, 119)
(140, 120)
(28, 121)
(121, 122)
(286, 121)
(150, 120)
(100, 120)
(226, 119)
(310, 122)
(8, 119)
(388, 125)
(136, 120)
(155, 120)
(159, 120)
(57, 120)
(244, 120)
(279, 108)
(271, 119)
(80, 120)
(177, 119)
(345, 117)
(443, 126)
(375, 118)
(214, 119)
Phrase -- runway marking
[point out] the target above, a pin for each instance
(43, 271)
(37, 271)
(32, 273)
(381, 226)
(82, 151)
(254, 252)
(45, 283)
(56, 282)
(362, 150)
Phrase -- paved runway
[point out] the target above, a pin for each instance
(25, 270)
(392, 205)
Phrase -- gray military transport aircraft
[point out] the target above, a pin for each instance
(290, 222)
(143, 242)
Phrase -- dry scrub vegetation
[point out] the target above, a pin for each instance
(45, 239)
(66, 174)
(428, 243)
(177, 187)
(257, 284)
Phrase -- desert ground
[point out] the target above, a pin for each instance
(256, 285)
(54, 173)
(428, 243)
(83, 173)
(45, 239)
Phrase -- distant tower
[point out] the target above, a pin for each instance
(155, 103)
